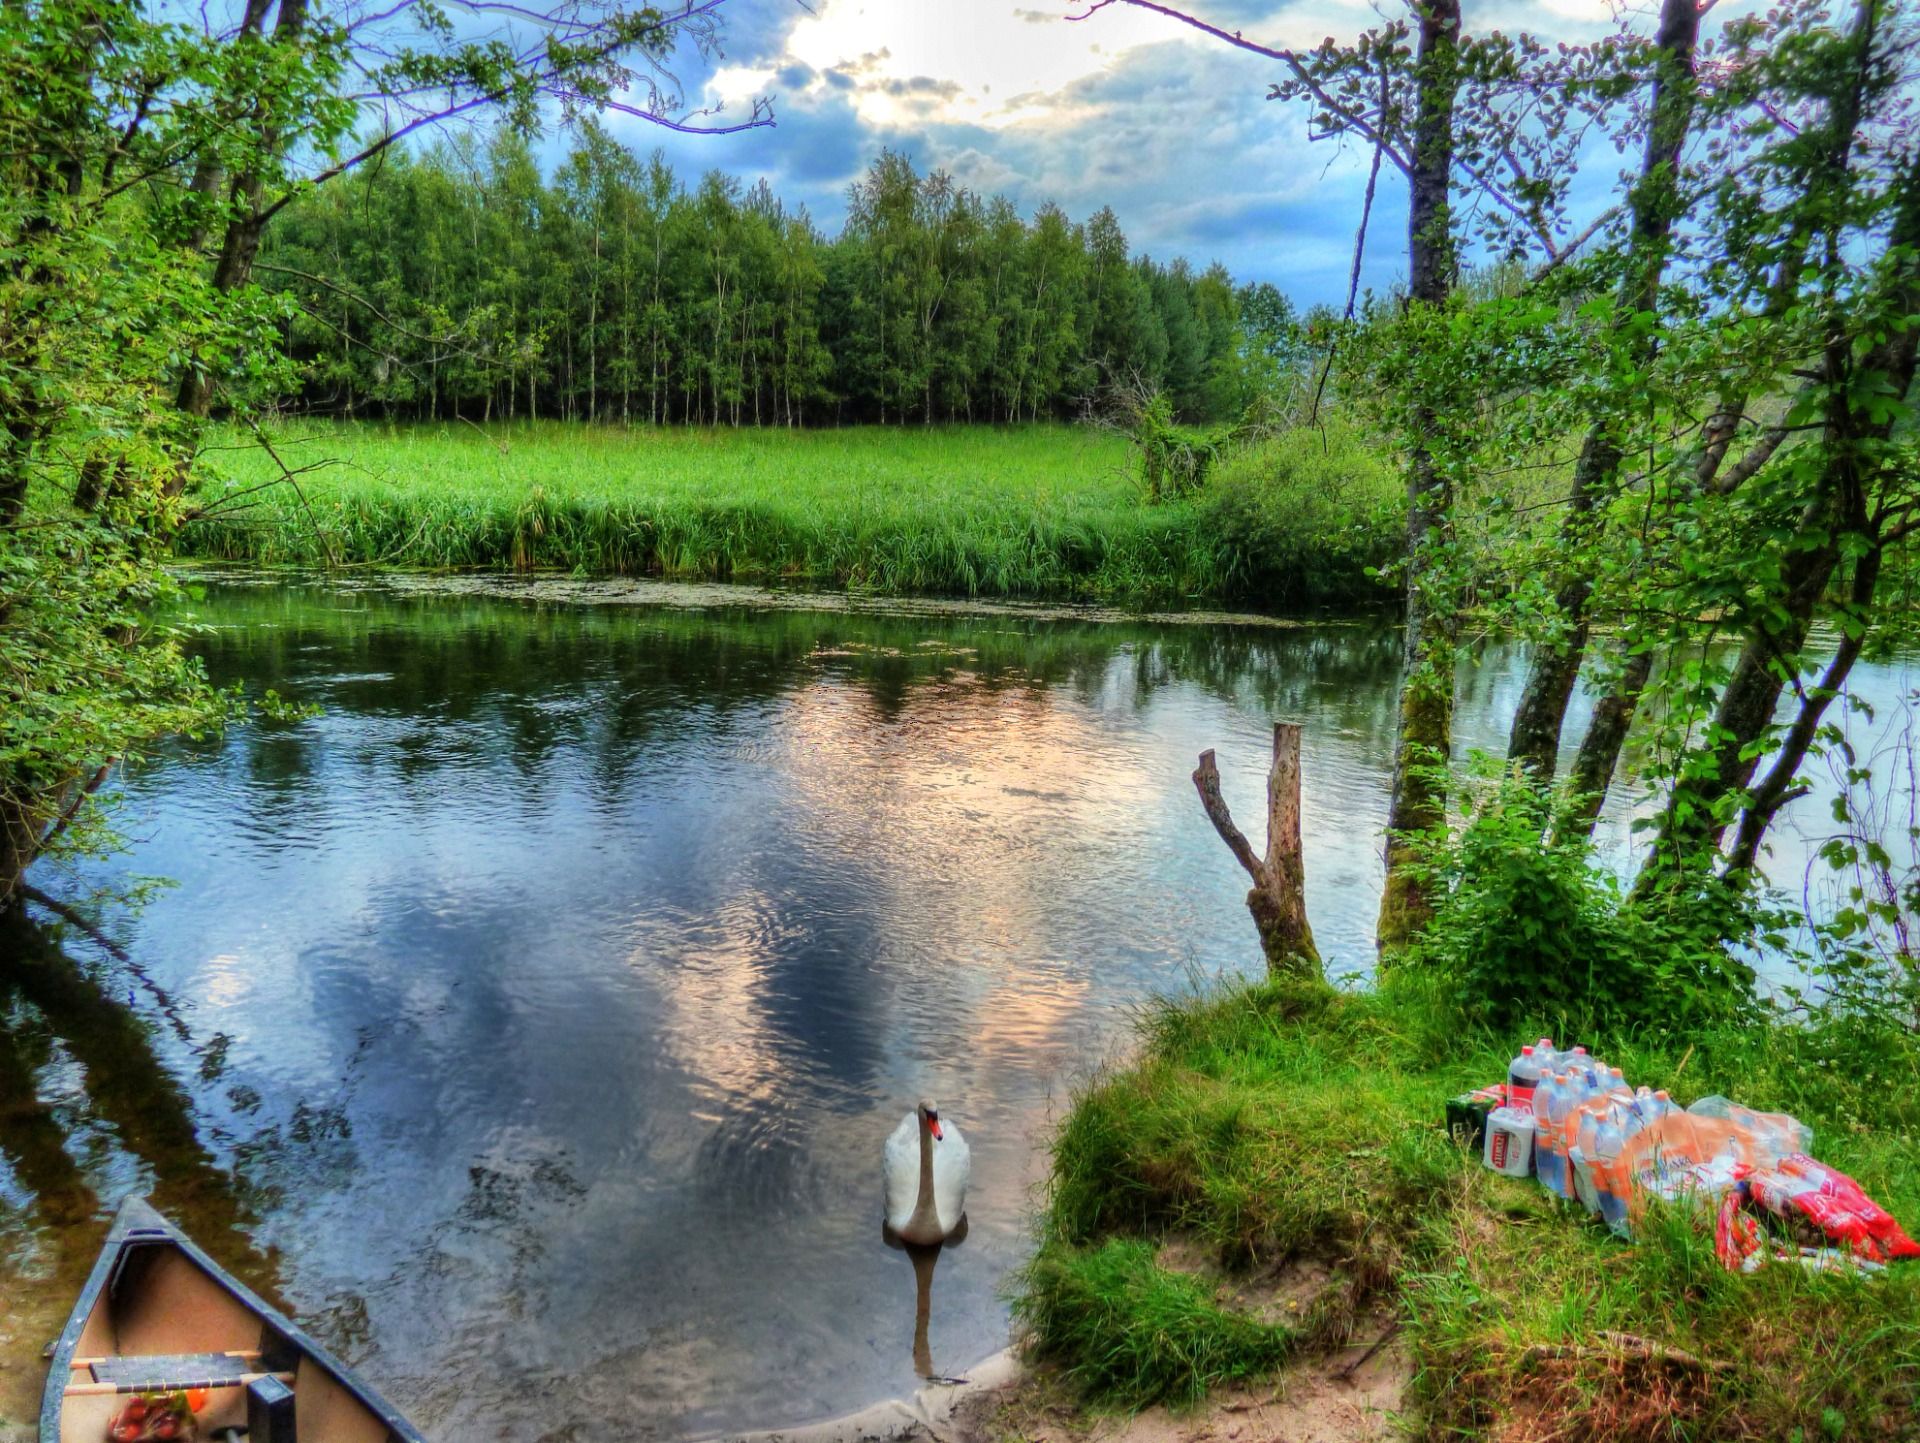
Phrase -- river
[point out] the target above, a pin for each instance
(530, 1020)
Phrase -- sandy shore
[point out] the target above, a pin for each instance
(938, 1411)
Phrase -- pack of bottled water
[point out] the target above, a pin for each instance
(1575, 1123)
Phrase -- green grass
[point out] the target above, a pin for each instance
(1133, 1333)
(1039, 511)
(1278, 1122)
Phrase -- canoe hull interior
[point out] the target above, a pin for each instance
(157, 1314)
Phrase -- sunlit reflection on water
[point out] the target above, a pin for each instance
(531, 1021)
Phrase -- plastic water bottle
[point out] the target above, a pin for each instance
(1609, 1185)
(1560, 1109)
(1580, 1160)
(1523, 1075)
(1773, 1135)
(1549, 1147)
(1580, 1085)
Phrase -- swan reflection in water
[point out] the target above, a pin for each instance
(924, 1257)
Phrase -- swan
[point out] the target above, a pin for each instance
(926, 1165)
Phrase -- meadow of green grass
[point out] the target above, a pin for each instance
(1287, 1121)
(1036, 511)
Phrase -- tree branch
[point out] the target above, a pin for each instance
(292, 478)
(547, 81)
(68, 914)
(1288, 58)
(1206, 780)
(72, 808)
(1353, 278)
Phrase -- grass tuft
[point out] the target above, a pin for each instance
(1131, 1333)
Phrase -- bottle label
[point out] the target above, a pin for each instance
(1497, 1148)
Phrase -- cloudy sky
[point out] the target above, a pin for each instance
(1127, 109)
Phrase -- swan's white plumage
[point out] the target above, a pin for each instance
(901, 1166)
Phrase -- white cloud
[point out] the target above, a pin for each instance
(1129, 109)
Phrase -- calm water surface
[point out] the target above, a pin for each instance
(530, 1021)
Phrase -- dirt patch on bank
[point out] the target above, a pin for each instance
(1348, 1396)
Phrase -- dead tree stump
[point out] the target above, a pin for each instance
(1278, 900)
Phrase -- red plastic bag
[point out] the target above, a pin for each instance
(1801, 1189)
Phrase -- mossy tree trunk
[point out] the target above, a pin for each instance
(1278, 898)
(1656, 203)
(1421, 750)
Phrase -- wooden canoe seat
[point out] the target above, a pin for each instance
(168, 1373)
(172, 1372)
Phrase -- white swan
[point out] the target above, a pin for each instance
(925, 1165)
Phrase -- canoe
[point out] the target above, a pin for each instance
(159, 1320)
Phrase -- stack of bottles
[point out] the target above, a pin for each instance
(1578, 1126)
(1574, 1123)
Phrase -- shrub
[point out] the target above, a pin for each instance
(1298, 517)
(1530, 923)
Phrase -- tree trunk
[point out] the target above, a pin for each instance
(1780, 786)
(241, 244)
(1535, 740)
(1696, 816)
(1419, 799)
(1600, 750)
(1278, 899)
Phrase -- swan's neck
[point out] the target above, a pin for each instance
(926, 1217)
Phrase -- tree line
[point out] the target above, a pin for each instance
(462, 282)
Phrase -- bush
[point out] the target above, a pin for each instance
(1529, 923)
(1298, 517)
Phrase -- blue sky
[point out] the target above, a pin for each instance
(1127, 109)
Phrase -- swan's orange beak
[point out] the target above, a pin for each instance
(933, 1126)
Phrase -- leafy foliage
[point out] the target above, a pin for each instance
(1528, 923)
(1305, 517)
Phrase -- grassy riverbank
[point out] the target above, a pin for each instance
(1274, 1129)
(1039, 511)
